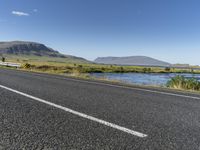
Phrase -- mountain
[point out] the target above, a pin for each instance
(132, 60)
(32, 49)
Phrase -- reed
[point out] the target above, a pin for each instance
(180, 82)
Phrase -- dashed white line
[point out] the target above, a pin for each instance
(100, 121)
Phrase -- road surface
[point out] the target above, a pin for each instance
(40, 111)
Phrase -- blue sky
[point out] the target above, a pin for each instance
(164, 29)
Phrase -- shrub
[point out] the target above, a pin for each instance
(193, 84)
(122, 69)
(3, 59)
(103, 69)
(80, 66)
(44, 67)
(149, 69)
(167, 69)
(27, 66)
(180, 82)
(146, 70)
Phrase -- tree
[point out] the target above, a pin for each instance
(121, 69)
(144, 70)
(167, 69)
(3, 59)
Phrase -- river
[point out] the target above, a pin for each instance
(155, 79)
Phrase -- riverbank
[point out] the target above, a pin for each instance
(97, 68)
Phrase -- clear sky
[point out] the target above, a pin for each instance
(164, 29)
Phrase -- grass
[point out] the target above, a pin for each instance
(180, 82)
(96, 68)
(77, 66)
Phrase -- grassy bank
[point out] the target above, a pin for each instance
(96, 68)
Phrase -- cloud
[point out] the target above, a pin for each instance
(19, 13)
(35, 10)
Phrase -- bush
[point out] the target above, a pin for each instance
(146, 70)
(180, 82)
(27, 66)
(167, 69)
(44, 67)
(3, 59)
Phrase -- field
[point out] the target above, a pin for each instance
(79, 66)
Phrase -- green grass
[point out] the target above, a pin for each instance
(180, 82)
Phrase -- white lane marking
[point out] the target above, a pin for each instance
(126, 130)
(117, 86)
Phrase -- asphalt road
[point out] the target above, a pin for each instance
(170, 120)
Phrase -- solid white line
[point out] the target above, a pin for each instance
(119, 86)
(133, 88)
(126, 130)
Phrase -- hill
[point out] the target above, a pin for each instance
(132, 60)
(25, 49)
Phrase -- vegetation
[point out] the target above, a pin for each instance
(82, 70)
(96, 68)
(180, 82)
(3, 59)
(65, 65)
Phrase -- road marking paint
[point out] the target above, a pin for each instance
(116, 86)
(100, 121)
(121, 86)
(133, 88)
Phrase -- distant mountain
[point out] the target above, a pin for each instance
(31, 48)
(132, 60)
(181, 65)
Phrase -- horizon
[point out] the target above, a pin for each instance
(102, 56)
(167, 31)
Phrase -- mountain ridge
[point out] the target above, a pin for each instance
(131, 60)
(31, 48)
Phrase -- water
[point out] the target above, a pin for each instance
(155, 79)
